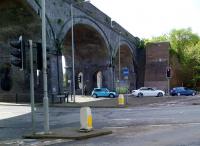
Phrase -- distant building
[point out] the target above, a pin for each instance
(157, 61)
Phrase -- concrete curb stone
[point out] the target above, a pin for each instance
(69, 133)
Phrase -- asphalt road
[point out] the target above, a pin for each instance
(173, 123)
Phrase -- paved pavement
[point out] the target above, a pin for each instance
(83, 98)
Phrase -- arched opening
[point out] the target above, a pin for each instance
(65, 76)
(99, 79)
(90, 54)
(125, 75)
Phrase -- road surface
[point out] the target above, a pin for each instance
(163, 124)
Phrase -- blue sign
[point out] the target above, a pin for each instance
(125, 71)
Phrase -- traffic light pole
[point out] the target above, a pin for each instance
(45, 99)
(21, 39)
(32, 86)
(168, 86)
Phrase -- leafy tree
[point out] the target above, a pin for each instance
(182, 39)
(192, 59)
(162, 38)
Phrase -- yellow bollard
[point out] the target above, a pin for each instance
(85, 119)
(121, 99)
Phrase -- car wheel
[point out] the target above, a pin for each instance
(160, 94)
(111, 95)
(140, 95)
(178, 94)
(95, 96)
(193, 94)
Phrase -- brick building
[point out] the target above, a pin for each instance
(157, 61)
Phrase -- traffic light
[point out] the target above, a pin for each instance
(18, 53)
(39, 56)
(168, 72)
(79, 79)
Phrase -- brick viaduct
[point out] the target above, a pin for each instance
(97, 41)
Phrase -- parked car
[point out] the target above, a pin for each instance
(103, 92)
(148, 91)
(182, 91)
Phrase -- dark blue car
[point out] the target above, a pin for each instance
(182, 91)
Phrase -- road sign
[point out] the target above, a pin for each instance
(125, 71)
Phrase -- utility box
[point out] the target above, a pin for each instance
(86, 119)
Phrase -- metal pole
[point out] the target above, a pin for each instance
(71, 90)
(32, 87)
(45, 99)
(119, 61)
(168, 84)
(73, 70)
(22, 51)
(168, 79)
(82, 84)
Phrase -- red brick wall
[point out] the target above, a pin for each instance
(157, 58)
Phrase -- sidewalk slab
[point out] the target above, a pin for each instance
(69, 133)
(13, 104)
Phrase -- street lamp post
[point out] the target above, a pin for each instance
(119, 59)
(73, 61)
(45, 99)
(73, 70)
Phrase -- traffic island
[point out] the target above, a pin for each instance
(69, 133)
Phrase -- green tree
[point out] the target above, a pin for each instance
(192, 62)
(182, 39)
(162, 38)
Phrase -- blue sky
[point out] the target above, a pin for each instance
(148, 18)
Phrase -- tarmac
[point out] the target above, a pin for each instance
(87, 101)
(129, 101)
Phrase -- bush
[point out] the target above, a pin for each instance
(122, 90)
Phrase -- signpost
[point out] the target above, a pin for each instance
(125, 72)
